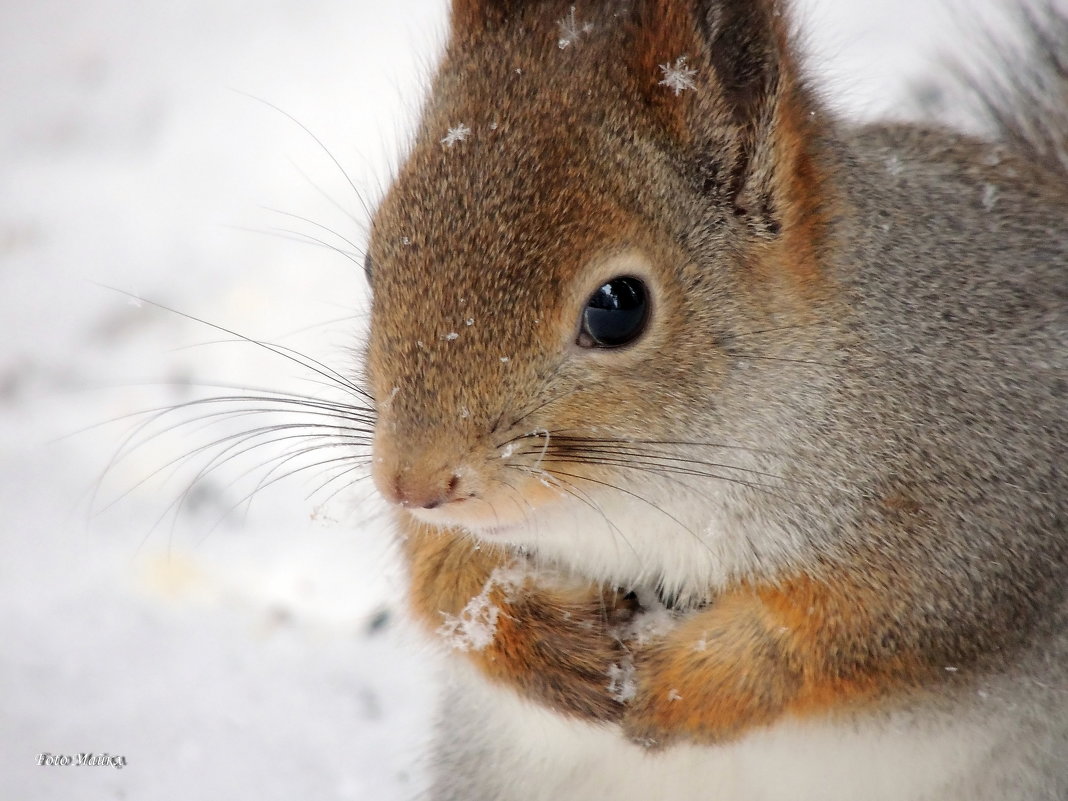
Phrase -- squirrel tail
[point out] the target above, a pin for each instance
(1025, 100)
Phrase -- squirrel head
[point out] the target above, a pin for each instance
(601, 198)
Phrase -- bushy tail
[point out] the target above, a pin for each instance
(1026, 99)
(1013, 86)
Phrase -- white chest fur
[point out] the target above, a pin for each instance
(505, 749)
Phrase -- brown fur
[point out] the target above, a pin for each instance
(559, 649)
(554, 645)
(738, 195)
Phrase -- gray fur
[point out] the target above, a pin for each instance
(938, 375)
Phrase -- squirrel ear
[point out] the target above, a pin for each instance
(748, 118)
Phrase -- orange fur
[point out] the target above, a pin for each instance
(554, 645)
(800, 648)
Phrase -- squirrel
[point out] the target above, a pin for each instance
(725, 439)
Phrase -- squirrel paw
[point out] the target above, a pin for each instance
(654, 722)
(659, 716)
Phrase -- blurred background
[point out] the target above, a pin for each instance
(229, 642)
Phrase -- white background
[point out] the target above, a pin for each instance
(234, 659)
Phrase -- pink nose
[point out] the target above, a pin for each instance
(414, 491)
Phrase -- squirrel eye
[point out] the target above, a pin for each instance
(615, 314)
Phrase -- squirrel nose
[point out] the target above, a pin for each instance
(425, 476)
(414, 491)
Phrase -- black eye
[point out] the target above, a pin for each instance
(615, 314)
(368, 268)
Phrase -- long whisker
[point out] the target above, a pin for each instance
(335, 378)
(811, 362)
(129, 445)
(300, 236)
(235, 441)
(343, 487)
(539, 407)
(739, 334)
(634, 495)
(638, 457)
(317, 140)
(667, 471)
(356, 248)
(279, 459)
(260, 487)
(576, 493)
(565, 435)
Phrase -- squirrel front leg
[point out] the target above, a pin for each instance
(554, 644)
(800, 647)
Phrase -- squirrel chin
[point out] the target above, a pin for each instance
(478, 526)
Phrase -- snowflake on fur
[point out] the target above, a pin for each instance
(571, 30)
(678, 76)
(457, 133)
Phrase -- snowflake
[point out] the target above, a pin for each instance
(475, 627)
(571, 30)
(990, 196)
(622, 681)
(457, 133)
(678, 76)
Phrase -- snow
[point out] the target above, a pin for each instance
(678, 77)
(622, 681)
(990, 196)
(476, 625)
(457, 133)
(246, 647)
(571, 30)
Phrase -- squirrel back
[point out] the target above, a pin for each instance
(706, 414)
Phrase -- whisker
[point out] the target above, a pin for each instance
(634, 495)
(344, 487)
(259, 488)
(299, 237)
(562, 436)
(236, 440)
(638, 457)
(361, 224)
(576, 493)
(318, 141)
(737, 334)
(329, 374)
(178, 504)
(356, 248)
(784, 359)
(667, 471)
(524, 415)
(126, 449)
(308, 239)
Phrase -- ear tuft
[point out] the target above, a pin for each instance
(746, 43)
(748, 122)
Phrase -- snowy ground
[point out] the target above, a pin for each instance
(258, 657)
